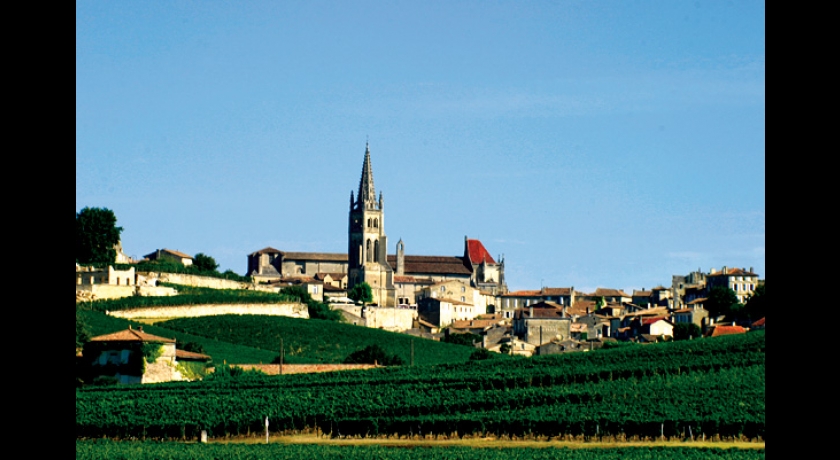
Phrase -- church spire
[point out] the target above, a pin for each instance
(367, 193)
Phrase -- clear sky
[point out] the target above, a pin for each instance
(593, 143)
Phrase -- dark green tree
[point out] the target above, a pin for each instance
(205, 263)
(373, 354)
(722, 301)
(600, 302)
(361, 293)
(462, 339)
(505, 348)
(755, 307)
(82, 330)
(482, 354)
(96, 235)
(684, 331)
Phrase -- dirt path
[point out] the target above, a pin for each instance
(481, 442)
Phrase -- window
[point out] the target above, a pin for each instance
(463, 299)
(463, 289)
(443, 289)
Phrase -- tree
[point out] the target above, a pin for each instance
(82, 330)
(684, 331)
(482, 354)
(466, 338)
(756, 308)
(96, 235)
(722, 301)
(600, 302)
(361, 293)
(373, 354)
(505, 348)
(205, 263)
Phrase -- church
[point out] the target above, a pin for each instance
(397, 279)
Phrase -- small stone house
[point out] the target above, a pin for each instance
(170, 255)
(132, 356)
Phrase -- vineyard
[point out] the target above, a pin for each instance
(221, 351)
(316, 341)
(692, 389)
(111, 450)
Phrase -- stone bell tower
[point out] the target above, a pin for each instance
(367, 243)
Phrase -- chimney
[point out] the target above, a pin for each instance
(751, 269)
(532, 312)
(724, 269)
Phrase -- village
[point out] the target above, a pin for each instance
(436, 296)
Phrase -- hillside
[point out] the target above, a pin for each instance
(707, 388)
(316, 341)
(221, 351)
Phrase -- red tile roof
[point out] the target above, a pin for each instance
(437, 265)
(131, 335)
(725, 330)
(477, 252)
(758, 323)
(538, 313)
(733, 271)
(610, 292)
(522, 294)
(646, 321)
(170, 251)
(184, 354)
(412, 280)
(474, 323)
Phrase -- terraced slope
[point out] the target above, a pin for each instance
(316, 341)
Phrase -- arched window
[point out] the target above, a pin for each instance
(376, 251)
(376, 223)
(368, 222)
(368, 251)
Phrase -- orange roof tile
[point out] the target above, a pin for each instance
(477, 253)
(131, 335)
(726, 330)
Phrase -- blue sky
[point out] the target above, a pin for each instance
(593, 143)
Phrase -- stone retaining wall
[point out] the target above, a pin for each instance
(274, 369)
(294, 310)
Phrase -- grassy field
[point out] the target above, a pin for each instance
(137, 450)
(316, 341)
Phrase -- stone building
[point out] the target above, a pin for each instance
(170, 255)
(367, 243)
(395, 279)
(126, 355)
(740, 280)
(540, 325)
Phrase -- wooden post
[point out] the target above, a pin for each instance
(266, 429)
(204, 436)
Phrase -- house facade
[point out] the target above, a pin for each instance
(170, 255)
(742, 281)
(132, 356)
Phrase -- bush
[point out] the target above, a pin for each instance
(373, 354)
(462, 339)
(482, 354)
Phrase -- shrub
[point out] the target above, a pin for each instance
(373, 354)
